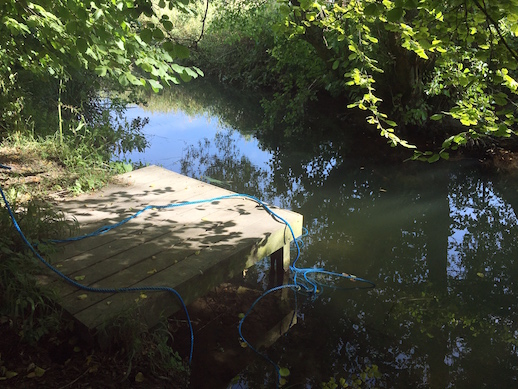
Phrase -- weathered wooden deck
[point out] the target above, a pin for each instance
(191, 248)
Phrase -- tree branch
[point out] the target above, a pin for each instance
(202, 24)
(482, 8)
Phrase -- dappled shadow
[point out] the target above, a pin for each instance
(191, 248)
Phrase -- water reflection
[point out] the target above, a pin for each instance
(439, 241)
(440, 244)
(221, 161)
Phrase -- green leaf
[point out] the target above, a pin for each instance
(133, 80)
(169, 47)
(148, 68)
(167, 25)
(370, 10)
(185, 77)
(123, 79)
(181, 51)
(437, 116)
(177, 68)
(284, 372)
(500, 99)
(146, 35)
(421, 53)
(434, 158)
(82, 45)
(155, 85)
(158, 34)
(101, 70)
(199, 71)
(395, 14)
(460, 139)
(410, 4)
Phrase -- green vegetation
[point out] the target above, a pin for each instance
(432, 74)
(365, 379)
(68, 69)
(427, 75)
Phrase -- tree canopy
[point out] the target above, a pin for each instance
(125, 40)
(463, 50)
(411, 65)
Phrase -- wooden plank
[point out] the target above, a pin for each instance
(191, 248)
(201, 255)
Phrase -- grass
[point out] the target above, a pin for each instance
(41, 172)
(45, 171)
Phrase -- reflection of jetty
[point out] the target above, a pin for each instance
(190, 248)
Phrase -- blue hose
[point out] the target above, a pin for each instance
(97, 290)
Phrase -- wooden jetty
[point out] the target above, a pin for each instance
(190, 248)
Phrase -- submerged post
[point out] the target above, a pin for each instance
(279, 265)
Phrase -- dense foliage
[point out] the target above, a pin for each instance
(61, 60)
(441, 70)
(109, 37)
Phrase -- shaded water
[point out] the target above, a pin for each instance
(439, 242)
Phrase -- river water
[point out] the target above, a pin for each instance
(439, 241)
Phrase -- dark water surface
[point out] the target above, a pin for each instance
(439, 241)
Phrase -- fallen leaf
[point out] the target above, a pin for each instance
(38, 372)
(139, 377)
(79, 278)
(284, 372)
(152, 271)
(82, 296)
(10, 374)
(143, 296)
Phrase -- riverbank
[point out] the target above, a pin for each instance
(39, 346)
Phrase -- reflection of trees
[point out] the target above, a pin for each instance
(220, 160)
(439, 241)
(439, 244)
(234, 109)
